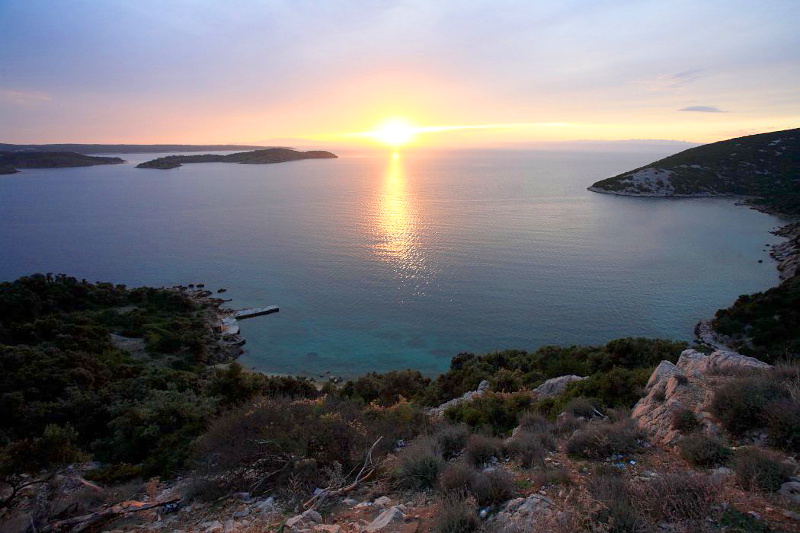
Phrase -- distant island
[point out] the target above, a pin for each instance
(126, 148)
(766, 166)
(10, 162)
(255, 157)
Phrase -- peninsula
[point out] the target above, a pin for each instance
(11, 161)
(766, 166)
(255, 157)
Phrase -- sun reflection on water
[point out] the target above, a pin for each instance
(397, 229)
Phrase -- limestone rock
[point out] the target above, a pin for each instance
(519, 514)
(438, 412)
(555, 386)
(689, 384)
(388, 517)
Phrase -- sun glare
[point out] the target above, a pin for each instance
(394, 132)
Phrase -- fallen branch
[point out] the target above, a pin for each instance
(367, 469)
(82, 522)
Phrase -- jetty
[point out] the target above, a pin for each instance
(229, 325)
(255, 311)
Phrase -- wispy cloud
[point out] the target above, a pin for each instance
(702, 109)
(672, 82)
(23, 97)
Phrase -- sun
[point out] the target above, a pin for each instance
(394, 132)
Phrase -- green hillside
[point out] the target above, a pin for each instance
(764, 165)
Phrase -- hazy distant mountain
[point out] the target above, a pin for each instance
(126, 148)
(765, 165)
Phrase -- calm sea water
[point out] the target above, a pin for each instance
(383, 262)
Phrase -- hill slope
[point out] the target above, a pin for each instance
(765, 165)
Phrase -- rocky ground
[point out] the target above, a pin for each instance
(540, 503)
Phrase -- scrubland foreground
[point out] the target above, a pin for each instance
(118, 417)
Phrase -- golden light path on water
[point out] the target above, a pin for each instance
(397, 229)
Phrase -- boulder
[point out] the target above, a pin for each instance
(388, 517)
(555, 386)
(519, 514)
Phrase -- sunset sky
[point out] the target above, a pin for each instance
(235, 71)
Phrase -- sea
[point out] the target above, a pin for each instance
(383, 260)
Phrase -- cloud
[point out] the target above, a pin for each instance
(702, 109)
(23, 97)
(672, 82)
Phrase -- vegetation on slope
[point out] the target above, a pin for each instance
(255, 157)
(765, 165)
(63, 381)
(765, 324)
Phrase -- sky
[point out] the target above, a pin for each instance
(254, 71)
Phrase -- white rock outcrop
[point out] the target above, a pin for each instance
(555, 386)
(688, 384)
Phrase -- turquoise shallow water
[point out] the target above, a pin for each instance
(381, 262)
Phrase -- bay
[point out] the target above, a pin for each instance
(384, 261)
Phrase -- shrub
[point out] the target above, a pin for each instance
(684, 420)
(456, 477)
(580, 407)
(568, 424)
(534, 422)
(419, 464)
(480, 449)
(456, 514)
(297, 439)
(783, 425)
(451, 439)
(602, 439)
(617, 510)
(702, 450)
(677, 497)
(492, 486)
(739, 404)
(551, 476)
(618, 387)
(386, 389)
(530, 448)
(498, 411)
(756, 469)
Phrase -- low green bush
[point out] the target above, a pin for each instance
(739, 404)
(499, 412)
